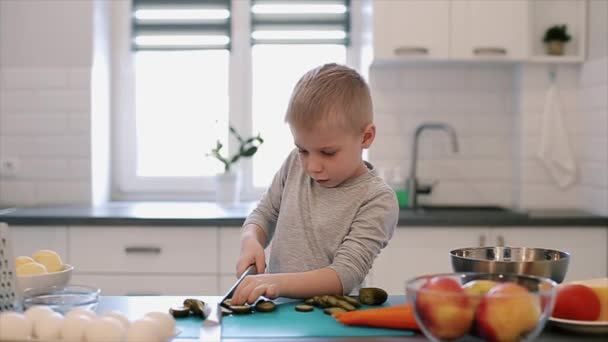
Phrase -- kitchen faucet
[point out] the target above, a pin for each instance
(412, 186)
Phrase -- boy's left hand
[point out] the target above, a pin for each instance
(254, 286)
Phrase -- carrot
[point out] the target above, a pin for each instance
(393, 317)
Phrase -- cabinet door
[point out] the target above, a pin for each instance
(28, 239)
(413, 28)
(144, 249)
(586, 245)
(484, 29)
(150, 285)
(414, 251)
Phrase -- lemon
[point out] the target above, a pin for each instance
(50, 259)
(22, 260)
(31, 268)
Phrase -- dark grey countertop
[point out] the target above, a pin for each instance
(210, 214)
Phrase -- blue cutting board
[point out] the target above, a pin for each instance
(285, 322)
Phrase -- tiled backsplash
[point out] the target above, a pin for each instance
(45, 127)
(593, 135)
(477, 100)
(496, 111)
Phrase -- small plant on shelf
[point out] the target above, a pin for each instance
(555, 38)
(248, 147)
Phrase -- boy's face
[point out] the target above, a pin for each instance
(332, 156)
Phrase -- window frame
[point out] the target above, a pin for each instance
(125, 184)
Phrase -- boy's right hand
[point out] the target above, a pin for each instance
(252, 252)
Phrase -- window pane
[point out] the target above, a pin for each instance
(276, 69)
(181, 110)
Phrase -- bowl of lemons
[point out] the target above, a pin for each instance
(43, 270)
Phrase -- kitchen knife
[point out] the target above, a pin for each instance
(249, 271)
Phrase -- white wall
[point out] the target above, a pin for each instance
(45, 86)
(477, 99)
(46, 67)
(593, 104)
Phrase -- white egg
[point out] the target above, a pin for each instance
(48, 327)
(74, 326)
(34, 313)
(104, 329)
(165, 322)
(119, 316)
(144, 330)
(81, 311)
(15, 327)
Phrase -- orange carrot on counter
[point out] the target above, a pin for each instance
(393, 317)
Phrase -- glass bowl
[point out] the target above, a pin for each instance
(490, 306)
(63, 298)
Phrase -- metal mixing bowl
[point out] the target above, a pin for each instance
(515, 260)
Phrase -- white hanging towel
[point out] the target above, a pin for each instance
(554, 150)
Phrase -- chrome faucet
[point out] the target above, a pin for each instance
(412, 186)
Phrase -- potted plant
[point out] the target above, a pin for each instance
(228, 183)
(555, 37)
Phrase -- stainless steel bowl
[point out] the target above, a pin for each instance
(515, 260)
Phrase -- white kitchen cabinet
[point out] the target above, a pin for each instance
(482, 29)
(414, 251)
(587, 246)
(150, 285)
(28, 239)
(411, 29)
(476, 30)
(146, 260)
(144, 249)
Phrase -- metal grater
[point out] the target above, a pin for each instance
(8, 298)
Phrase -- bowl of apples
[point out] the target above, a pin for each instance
(490, 306)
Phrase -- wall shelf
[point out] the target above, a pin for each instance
(546, 13)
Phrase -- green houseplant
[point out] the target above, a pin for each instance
(555, 38)
(247, 148)
(227, 184)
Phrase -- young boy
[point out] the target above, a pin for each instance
(327, 211)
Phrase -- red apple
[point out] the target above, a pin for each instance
(444, 307)
(578, 302)
(507, 312)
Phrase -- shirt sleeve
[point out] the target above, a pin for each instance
(371, 230)
(266, 212)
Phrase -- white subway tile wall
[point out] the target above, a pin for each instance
(478, 100)
(593, 135)
(45, 127)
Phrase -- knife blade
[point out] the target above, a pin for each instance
(248, 271)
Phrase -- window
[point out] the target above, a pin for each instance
(198, 65)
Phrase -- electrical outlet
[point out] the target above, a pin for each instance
(9, 167)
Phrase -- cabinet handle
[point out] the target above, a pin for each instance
(490, 51)
(500, 241)
(482, 240)
(411, 50)
(142, 250)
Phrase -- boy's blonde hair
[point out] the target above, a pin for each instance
(334, 95)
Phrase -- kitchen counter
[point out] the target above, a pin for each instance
(135, 307)
(200, 214)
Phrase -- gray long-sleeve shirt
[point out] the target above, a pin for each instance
(314, 227)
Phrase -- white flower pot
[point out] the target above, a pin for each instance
(228, 188)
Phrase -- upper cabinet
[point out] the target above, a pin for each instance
(509, 30)
(489, 29)
(417, 28)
